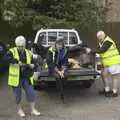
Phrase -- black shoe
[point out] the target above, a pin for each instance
(114, 94)
(108, 94)
(62, 98)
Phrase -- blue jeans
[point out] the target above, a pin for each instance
(28, 90)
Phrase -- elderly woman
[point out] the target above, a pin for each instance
(20, 74)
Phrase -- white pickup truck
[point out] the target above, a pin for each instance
(85, 73)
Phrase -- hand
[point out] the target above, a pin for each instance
(35, 56)
(32, 66)
(62, 71)
(88, 50)
(62, 74)
(20, 63)
(59, 72)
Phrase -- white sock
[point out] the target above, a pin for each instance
(32, 105)
(107, 89)
(114, 90)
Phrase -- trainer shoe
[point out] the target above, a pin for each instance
(114, 94)
(21, 113)
(108, 94)
(35, 112)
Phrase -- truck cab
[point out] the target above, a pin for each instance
(85, 71)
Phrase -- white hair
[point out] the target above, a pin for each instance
(100, 35)
(20, 41)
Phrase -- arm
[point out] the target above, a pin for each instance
(77, 47)
(104, 48)
(49, 60)
(8, 58)
(65, 62)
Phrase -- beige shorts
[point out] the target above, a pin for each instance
(114, 69)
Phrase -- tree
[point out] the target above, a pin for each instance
(78, 14)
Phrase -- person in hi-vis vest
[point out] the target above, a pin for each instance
(57, 62)
(21, 70)
(110, 60)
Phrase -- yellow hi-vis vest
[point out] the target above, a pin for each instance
(52, 50)
(111, 56)
(14, 69)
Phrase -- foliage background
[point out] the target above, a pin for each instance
(27, 16)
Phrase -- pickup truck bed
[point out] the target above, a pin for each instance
(74, 72)
(85, 77)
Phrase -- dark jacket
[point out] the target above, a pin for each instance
(57, 63)
(80, 47)
(40, 50)
(103, 49)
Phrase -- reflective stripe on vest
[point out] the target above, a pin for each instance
(111, 56)
(14, 69)
(52, 50)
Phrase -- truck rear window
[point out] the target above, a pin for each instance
(72, 38)
(52, 36)
(49, 38)
(65, 35)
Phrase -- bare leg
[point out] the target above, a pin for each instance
(17, 93)
(105, 79)
(115, 83)
(31, 97)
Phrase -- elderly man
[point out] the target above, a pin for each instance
(20, 74)
(110, 59)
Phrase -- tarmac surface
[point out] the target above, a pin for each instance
(81, 104)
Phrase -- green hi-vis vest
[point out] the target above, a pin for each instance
(111, 56)
(51, 50)
(14, 69)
